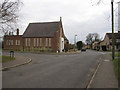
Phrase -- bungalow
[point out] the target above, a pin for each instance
(45, 36)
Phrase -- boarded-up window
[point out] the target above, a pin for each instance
(11, 42)
(49, 42)
(6, 42)
(29, 41)
(46, 42)
(34, 42)
(26, 41)
(16, 42)
(40, 42)
(37, 41)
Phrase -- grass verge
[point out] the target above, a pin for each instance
(116, 62)
(117, 67)
(7, 59)
(116, 54)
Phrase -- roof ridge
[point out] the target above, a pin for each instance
(111, 33)
(44, 22)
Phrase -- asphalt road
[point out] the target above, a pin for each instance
(53, 71)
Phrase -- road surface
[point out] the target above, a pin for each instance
(53, 71)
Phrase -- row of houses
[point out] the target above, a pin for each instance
(106, 44)
(49, 36)
(44, 36)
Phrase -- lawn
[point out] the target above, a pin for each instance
(117, 67)
(7, 59)
(116, 54)
(116, 62)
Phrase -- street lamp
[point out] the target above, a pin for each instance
(112, 12)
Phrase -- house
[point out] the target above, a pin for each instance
(13, 42)
(43, 36)
(87, 46)
(106, 44)
(95, 45)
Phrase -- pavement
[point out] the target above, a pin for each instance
(105, 76)
(19, 60)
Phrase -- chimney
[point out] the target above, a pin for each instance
(17, 31)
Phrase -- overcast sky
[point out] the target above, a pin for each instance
(78, 16)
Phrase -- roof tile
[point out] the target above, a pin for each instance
(46, 29)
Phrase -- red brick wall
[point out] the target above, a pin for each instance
(37, 45)
(57, 38)
(54, 42)
(8, 42)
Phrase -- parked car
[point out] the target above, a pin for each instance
(83, 49)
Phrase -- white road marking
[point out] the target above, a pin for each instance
(88, 86)
(106, 60)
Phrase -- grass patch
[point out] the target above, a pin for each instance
(116, 54)
(110, 51)
(7, 59)
(72, 50)
(117, 67)
(116, 62)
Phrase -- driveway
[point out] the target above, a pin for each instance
(53, 71)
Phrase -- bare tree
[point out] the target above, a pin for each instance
(8, 15)
(96, 37)
(92, 37)
(89, 38)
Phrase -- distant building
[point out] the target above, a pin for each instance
(87, 46)
(106, 44)
(95, 45)
(46, 36)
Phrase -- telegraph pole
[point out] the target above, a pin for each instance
(113, 41)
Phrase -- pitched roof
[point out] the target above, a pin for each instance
(45, 29)
(116, 35)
